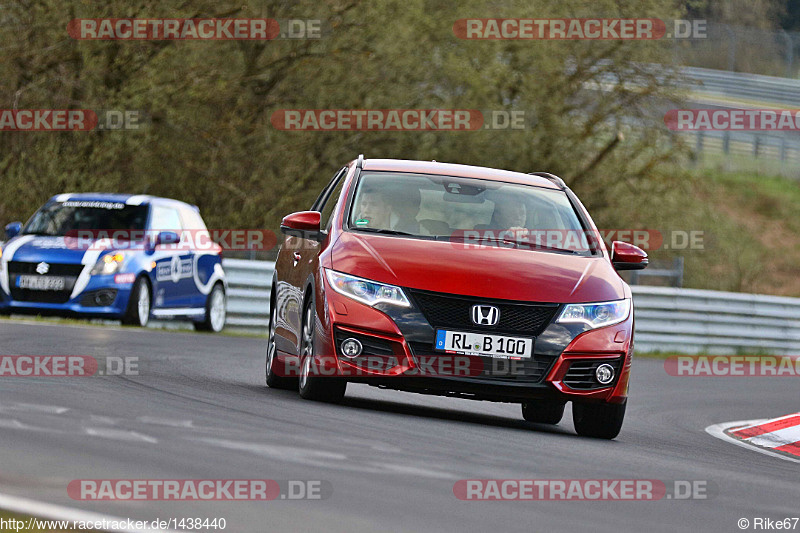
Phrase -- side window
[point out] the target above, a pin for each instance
(327, 210)
(165, 219)
(320, 201)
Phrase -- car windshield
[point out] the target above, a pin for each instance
(63, 218)
(467, 209)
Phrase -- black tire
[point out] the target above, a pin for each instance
(213, 321)
(601, 421)
(543, 412)
(311, 387)
(137, 314)
(274, 381)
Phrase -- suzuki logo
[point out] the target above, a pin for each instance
(485, 315)
(42, 268)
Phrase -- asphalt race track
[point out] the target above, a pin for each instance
(199, 410)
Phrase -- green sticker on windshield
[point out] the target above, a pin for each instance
(362, 222)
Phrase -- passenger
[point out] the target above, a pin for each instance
(509, 213)
(405, 208)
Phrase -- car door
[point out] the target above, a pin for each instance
(174, 263)
(296, 263)
(205, 256)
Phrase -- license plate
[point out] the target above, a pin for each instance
(42, 283)
(483, 344)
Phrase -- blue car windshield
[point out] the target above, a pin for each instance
(63, 218)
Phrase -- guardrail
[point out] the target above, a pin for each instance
(742, 86)
(667, 318)
(692, 320)
(248, 293)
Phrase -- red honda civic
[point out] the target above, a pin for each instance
(454, 280)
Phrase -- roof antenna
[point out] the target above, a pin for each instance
(360, 162)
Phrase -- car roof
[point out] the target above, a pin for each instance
(129, 199)
(453, 169)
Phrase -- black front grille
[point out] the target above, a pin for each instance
(44, 297)
(581, 373)
(56, 269)
(450, 311)
(527, 370)
(70, 272)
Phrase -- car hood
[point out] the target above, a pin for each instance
(37, 248)
(480, 271)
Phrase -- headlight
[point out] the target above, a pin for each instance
(108, 264)
(366, 291)
(596, 315)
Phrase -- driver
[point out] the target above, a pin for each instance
(374, 210)
(509, 213)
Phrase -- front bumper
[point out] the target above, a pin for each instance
(101, 298)
(398, 347)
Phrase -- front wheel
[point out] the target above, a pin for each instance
(216, 311)
(138, 311)
(312, 387)
(602, 420)
(273, 379)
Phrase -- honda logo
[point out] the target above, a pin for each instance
(485, 315)
(42, 268)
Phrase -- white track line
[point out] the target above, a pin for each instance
(718, 430)
(48, 511)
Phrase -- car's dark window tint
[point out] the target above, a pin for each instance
(58, 219)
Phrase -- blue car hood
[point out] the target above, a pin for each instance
(36, 248)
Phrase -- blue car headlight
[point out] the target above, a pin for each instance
(109, 264)
(596, 315)
(366, 291)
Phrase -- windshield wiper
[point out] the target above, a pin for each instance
(385, 231)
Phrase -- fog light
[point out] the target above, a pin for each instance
(604, 374)
(351, 347)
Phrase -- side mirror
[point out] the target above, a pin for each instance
(626, 256)
(167, 237)
(303, 224)
(13, 229)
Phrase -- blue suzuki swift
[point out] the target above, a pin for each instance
(123, 257)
